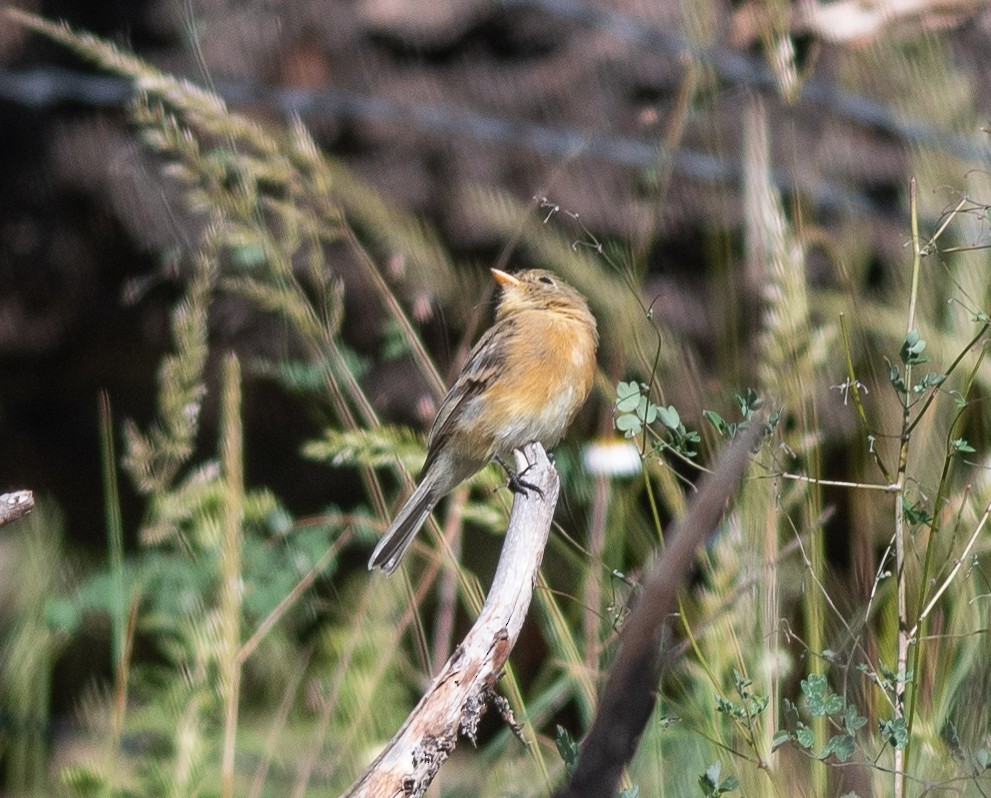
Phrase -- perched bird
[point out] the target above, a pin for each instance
(524, 381)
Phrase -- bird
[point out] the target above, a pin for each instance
(524, 382)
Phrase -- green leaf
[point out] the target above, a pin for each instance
(669, 417)
(818, 697)
(717, 421)
(897, 678)
(780, 738)
(912, 349)
(628, 396)
(748, 402)
(629, 425)
(567, 748)
(791, 712)
(842, 745)
(727, 707)
(895, 378)
(916, 513)
(709, 781)
(895, 732)
(853, 721)
(960, 446)
(804, 735)
(834, 704)
(815, 690)
(929, 381)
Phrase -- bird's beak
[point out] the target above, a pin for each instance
(504, 278)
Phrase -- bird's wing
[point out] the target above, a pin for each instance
(483, 364)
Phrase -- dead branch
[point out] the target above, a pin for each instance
(459, 695)
(14, 505)
(631, 689)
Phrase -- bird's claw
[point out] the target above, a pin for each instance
(516, 482)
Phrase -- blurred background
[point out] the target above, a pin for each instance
(629, 132)
(629, 115)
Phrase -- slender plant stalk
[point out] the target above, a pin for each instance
(815, 610)
(232, 460)
(904, 641)
(120, 627)
(927, 602)
(447, 590)
(592, 591)
(115, 527)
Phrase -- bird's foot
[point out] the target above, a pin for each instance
(516, 482)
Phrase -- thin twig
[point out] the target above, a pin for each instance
(952, 575)
(835, 483)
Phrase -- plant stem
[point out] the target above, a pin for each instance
(901, 667)
(232, 460)
(119, 637)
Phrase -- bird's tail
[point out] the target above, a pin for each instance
(399, 536)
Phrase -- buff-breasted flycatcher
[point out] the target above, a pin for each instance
(524, 381)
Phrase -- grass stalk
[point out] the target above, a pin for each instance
(900, 530)
(115, 528)
(231, 594)
(122, 619)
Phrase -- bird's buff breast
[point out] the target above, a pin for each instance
(545, 381)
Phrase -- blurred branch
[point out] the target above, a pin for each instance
(15, 505)
(45, 86)
(460, 693)
(40, 88)
(631, 690)
(751, 72)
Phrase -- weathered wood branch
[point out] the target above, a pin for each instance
(459, 695)
(14, 505)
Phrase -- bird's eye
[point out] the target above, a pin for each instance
(546, 280)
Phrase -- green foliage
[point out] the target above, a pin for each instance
(912, 348)
(821, 702)
(748, 404)
(712, 786)
(154, 458)
(376, 448)
(567, 748)
(29, 646)
(634, 412)
(748, 707)
(895, 731)
(916, 513)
